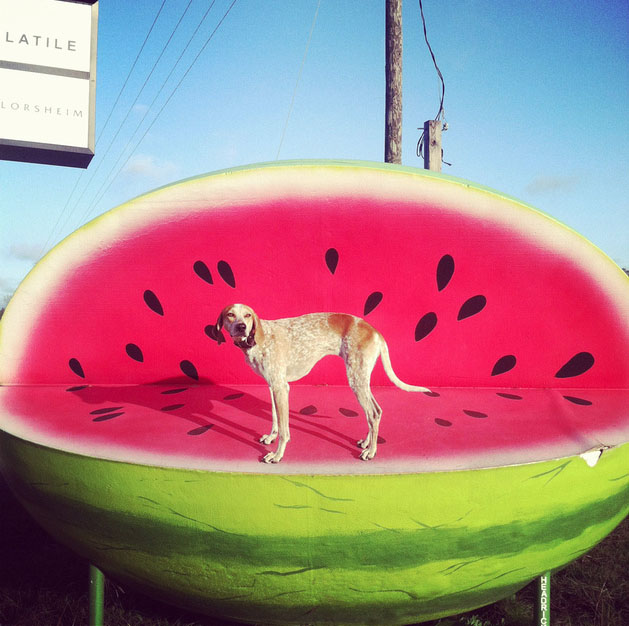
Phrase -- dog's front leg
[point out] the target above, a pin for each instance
(272, 436)
(279, 393)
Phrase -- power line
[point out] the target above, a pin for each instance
(130, 109)
(146, 80)
(148, 34)
(301, 69)
(167, 100)
(65, 206)
(149, 108)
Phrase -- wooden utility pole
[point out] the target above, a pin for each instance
(393, 97)
(393, 73)
(432, 145)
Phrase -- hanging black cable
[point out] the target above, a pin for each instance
(441, 112)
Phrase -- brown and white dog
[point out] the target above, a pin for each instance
(285, 350)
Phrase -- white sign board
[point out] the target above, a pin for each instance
(47, 81)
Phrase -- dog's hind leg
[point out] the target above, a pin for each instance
(373, 413)
(359, 366)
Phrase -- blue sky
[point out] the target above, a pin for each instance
(537, 103)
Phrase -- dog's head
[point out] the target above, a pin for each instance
(242, 324)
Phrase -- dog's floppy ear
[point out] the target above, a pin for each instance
(215, 332)
(256, 334)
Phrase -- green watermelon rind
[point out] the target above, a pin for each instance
(322, 548)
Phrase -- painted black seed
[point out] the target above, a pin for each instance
(332, 259)
(134, 352)
(105, 410)
(441, 422)
(172, 407)
(211, 331)
(381, 439)
(153, 303)
(109, 416)
(203, 272)
(577, 365)
(504, 364)
(189, 369)
(432, 394)
(75, 366)
(169, 391)
(226, 273)
(509, 396)
(233, 396)
(77, 388)
(445, 270)
(580, 401)
(348, 412)
(476, 414)
(372, 302)
(309, 410)
(425, 326)
(200, 430)
(471, 307)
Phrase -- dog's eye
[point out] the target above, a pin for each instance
(247, 315)
(231, 316)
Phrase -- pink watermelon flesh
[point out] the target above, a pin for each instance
(218, 426)
(465, 297)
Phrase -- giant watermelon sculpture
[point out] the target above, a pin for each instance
(132, 436)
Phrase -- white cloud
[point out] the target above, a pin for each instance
(26, 251)
(141, 109)
(7, 287)
(542, 185)
(17, 260)
(149, 167)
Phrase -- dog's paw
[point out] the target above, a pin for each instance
(267, 439)
(367, 454)
(363, 443)
(272, 457)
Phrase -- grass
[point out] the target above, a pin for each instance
(44, 584)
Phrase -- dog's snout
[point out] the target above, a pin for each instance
(241, 327)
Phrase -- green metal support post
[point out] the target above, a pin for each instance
(97, 596)
(542, 606)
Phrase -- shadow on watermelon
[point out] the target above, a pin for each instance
(132, 436)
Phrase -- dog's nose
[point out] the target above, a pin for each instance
(241, 327)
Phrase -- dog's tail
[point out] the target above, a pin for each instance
(388, 368)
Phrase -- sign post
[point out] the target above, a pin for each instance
(542, 607)
(48, 81)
